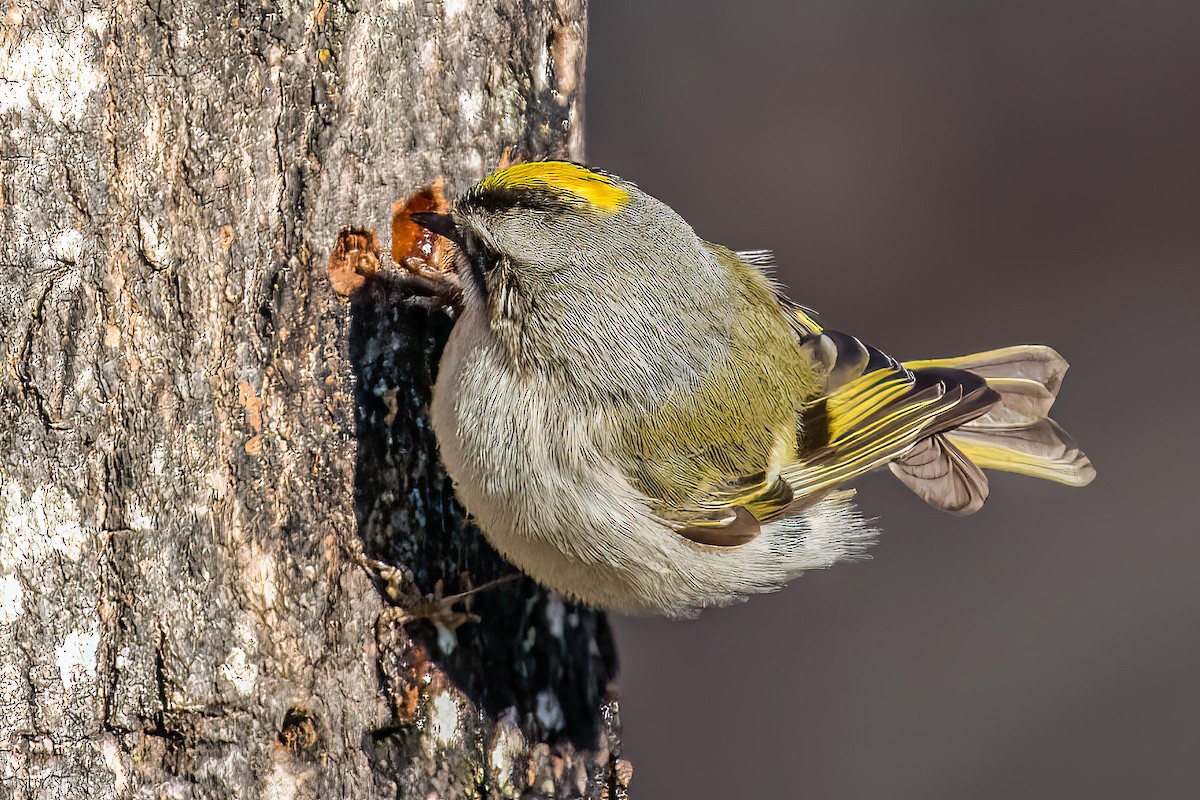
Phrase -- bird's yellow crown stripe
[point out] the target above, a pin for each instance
(561, 177)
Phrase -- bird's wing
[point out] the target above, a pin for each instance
(874, 411)
(775, 429)
(719, 473)
(937, 423)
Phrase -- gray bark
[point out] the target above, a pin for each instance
(199, 438)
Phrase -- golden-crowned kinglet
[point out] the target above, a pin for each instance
(638, 419)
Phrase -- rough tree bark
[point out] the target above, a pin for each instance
(200, 439)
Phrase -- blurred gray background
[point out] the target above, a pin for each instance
(940, 178)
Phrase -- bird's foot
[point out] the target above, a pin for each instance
(408, 604)
(436, 286)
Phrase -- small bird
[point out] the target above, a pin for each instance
(640, 420)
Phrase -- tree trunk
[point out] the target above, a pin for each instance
(200, 439)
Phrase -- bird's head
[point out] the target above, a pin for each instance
(534, 220)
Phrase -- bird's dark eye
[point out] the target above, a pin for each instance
(498, 200)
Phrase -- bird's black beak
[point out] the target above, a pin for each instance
(441, 224)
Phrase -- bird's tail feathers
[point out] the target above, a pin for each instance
(1014, 435)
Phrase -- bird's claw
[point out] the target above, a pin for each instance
(407, 603)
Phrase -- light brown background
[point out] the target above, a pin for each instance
(940, 178)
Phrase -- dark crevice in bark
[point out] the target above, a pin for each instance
(548, 661)
(26, 370)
